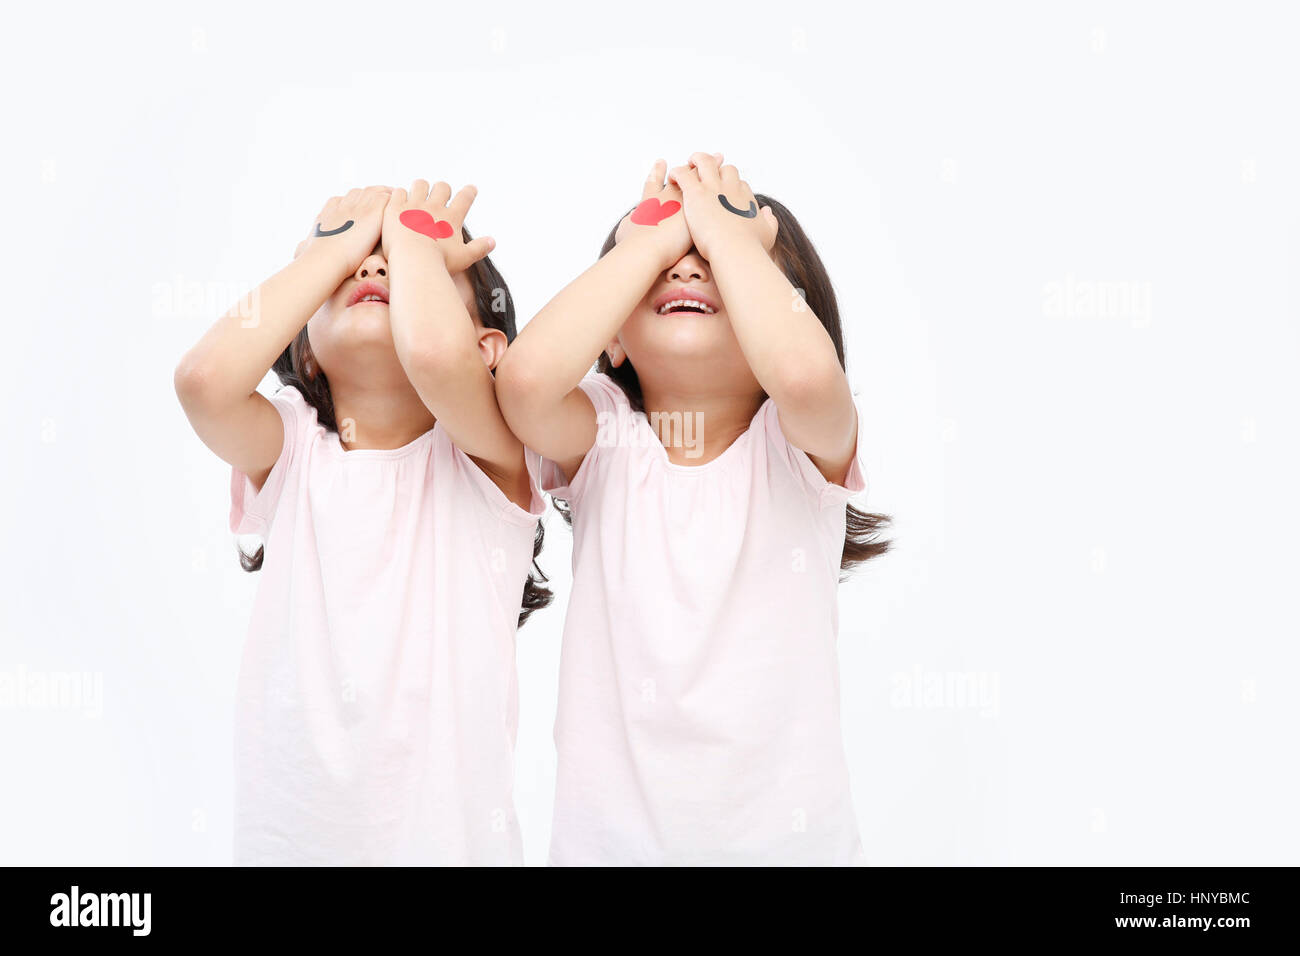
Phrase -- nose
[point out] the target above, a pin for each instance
(688, 267)
(373, 265)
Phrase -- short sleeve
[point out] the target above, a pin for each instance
(612, 413)
(252, 509)
(827, 492)
(469, 474)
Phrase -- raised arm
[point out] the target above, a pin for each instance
(447, 355)
(217, 379)
(785, 344)
(537, 381)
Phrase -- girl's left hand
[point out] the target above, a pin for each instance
(720, 207)
(433, 218)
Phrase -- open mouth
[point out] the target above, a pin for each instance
(684, 300)
(368, 292)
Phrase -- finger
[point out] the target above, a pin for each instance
(479, 248)
(684, 176)
(706, 164)
(301, 246)
(655, 181)
(353, 195)
(419, 191)
(718, 157)
(729, 174)
(458, 208)
(773, 227)
(397, 198)
(439, 194)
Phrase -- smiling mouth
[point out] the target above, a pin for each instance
(368, 292)
(685, 305)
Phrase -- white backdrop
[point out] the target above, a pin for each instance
(1065, 244)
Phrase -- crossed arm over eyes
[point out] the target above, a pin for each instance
(216, 381)
(789, 351)
(436, 340)
(446, 355)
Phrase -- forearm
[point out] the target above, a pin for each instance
(235, 354)
(783, 341)
(788, 349)
(437, 343)
(430, 324)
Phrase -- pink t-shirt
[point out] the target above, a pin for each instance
(377, 704)
(699, 713)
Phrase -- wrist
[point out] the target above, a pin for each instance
(742, 241)
(417, 250)
(654, 251)
(742, 249)
(740, 262)
(330, 258)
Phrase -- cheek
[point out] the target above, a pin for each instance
(321, 339)
(635, 331)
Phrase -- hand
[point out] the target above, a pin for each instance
(720, 207)
(657, 223)
(349, 226)
(425, 219)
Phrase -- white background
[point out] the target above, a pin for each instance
(1096, 515)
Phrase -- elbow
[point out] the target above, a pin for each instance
(514, 383)
(431, 361)
(808, 384)
(192, 381)
(521, 395)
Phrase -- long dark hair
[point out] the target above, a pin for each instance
(297, 366)
(803, 267)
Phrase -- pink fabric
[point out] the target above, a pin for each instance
(699, 718)
(377, 706)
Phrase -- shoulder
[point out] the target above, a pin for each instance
(614, 414)
(469, 485)
(616, 435)
(300, 417)
(289, 396)
(798, 463)
(604, 393)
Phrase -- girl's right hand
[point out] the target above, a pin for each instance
(657, 223)
(349, 226)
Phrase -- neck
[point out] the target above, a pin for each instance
(379, 416)
(696, 427)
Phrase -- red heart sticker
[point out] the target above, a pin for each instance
(425, 224)
(651, 212)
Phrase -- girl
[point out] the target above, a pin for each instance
(377, 698)
(707, 469)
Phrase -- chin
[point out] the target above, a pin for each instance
(692, 339)
(353, 333)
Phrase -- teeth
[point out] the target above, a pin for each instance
(371, 298)
(678, 303)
